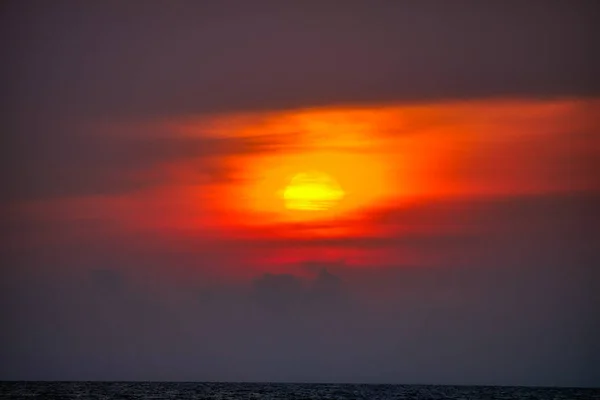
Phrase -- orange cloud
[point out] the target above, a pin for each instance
(381, 157)
(384, 155)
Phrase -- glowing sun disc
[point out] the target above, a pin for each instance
(312, 191)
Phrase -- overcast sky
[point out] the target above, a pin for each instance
(123, 255)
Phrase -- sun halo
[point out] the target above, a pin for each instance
(312, 191)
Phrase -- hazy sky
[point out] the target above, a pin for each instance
(150, 223)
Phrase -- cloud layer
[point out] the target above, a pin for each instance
(513, 305)
(138, 140)
(112, 59)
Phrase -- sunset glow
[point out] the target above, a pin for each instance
(312, 191)
(216, 199)
(365, 159)
(328, 173)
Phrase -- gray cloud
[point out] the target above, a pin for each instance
(65, 159)
(107, 59)
(108, 281)
(286, 293)
(282, 291)
(444, 324)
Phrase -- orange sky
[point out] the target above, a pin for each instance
(382, 156)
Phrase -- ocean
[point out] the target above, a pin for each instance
(271, 391)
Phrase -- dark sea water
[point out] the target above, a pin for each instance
(225, 391)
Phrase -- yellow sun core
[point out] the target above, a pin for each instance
(312, 191)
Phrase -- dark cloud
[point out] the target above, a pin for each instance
(107, 59)
(524, 291)
(286, 293)
(62, 159)
(108, 281)
(279, 291)
(444, 324)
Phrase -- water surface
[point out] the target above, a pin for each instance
(229, 391)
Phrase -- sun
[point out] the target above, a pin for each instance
(312, 191)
